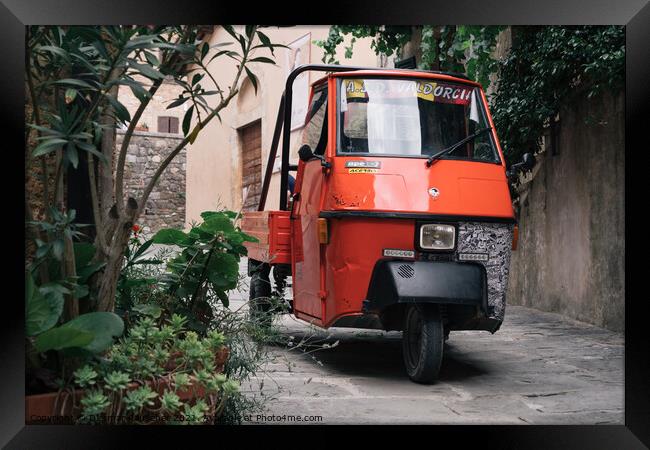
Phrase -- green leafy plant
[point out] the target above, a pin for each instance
(164, 372)
(206, 268)
(92, 332)
(546, 68)
(73, 75)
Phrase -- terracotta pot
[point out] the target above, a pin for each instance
(40, 408)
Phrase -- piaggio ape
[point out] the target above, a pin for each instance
(400, 217)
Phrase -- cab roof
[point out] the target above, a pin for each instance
(397, 72)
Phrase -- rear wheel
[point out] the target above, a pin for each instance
(422, 343)
(260, 293)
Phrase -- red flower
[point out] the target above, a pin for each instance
(136, 228)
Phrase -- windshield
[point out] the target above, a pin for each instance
(412, 117)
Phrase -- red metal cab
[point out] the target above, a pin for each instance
(400, 216)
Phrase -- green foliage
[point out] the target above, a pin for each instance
(387, 39)
(85, 377)
(545, 69)
(41, 312)
(116, 381)
(206, 268)
(62, 338)
(71, 79)
(136, 287)
(60, 226)
(136, 400)
(94, 403)
(92, 332)
(128, 380)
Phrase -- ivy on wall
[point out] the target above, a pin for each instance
(543, 71)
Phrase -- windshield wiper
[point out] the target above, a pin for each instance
(450, 149)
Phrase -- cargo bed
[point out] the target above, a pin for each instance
(273, 231)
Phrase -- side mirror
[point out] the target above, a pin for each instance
(528, 161)
(305, 153)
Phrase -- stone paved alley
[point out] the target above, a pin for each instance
(540, 368)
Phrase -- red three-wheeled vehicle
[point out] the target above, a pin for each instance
(400, 217)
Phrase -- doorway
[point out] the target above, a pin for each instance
(251, 143)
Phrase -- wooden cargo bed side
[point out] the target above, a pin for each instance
(271, 228)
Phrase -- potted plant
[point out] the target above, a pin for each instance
(155, 374)
(142, 127)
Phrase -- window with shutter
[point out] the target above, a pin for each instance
(167, 124)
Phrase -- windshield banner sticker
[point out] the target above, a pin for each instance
(426, 90)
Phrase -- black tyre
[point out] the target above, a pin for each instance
(422, 343)
(260, 293)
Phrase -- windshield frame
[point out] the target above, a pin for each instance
(482, 109)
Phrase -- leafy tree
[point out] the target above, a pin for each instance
(72, 79)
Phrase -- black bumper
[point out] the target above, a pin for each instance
(442, 282)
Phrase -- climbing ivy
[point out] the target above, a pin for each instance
(387, 40)
(546, 67)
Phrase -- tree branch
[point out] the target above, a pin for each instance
(224, 103)
(121, 161)
(99, 226)
(177, 150)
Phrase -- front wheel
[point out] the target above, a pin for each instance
(422, 342)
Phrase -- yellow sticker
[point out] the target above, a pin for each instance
(355, 89)
(363, 170)
(425, 90)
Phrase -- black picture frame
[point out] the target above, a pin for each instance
(634, 14)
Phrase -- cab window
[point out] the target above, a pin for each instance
(315, 131)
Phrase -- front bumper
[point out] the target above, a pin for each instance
(443, 282)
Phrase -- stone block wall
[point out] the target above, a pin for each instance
(166, 205)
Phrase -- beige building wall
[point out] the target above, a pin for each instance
(214, 174)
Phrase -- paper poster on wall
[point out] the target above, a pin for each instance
(299, 53)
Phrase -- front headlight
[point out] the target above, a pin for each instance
(435, 236)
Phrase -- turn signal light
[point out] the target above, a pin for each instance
(515, 237)
(323, 236)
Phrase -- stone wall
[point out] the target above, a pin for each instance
(166, 204)
(571, 255)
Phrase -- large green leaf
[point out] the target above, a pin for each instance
(217, 223)
(63, 337)
(102, 327)
(41, 312)
(171, 236)
(48, 146)
(120, 110)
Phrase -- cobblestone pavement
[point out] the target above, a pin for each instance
(539, 368)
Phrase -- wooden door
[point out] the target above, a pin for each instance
(251, 140)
